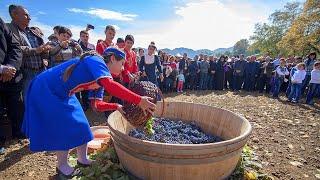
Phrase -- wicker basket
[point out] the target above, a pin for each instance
(134, 113)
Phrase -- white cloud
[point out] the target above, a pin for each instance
(41, 13)
(105, 14)
(116, 27)
(204, 24)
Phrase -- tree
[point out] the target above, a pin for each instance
(304, 34)
(267, 36)
(265, 39)
(241, 47)
(284, 18)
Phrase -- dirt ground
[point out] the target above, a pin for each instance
(285, 136)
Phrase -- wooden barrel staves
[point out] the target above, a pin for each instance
(134, 113)
(157, 161)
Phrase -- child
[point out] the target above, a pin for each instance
(281, 72)
(296, 83)
(181, 80)
(314, 86)
(54, 119)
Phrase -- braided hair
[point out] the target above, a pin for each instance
(106, 57)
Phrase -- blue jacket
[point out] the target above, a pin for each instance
(251, 69)
(193, 67)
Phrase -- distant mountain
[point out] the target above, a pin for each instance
(191, 53)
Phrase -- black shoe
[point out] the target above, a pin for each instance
(75, 173)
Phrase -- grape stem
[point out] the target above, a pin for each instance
(149, 126)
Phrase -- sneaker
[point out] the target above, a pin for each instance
(294, 101)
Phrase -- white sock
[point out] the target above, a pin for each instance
(82, 154)
(63, 166)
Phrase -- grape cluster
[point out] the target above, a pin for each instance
(174, 132)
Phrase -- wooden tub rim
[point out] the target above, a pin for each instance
(234, 140)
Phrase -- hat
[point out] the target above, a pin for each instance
(115, 51)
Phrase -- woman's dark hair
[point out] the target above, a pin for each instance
(313, 53)
(105, 57)
(222, 56)
(56, 28)
(63, 30)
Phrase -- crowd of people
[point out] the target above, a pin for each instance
(25, 53)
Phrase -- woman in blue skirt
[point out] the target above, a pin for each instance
(54, 119)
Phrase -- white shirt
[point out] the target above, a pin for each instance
(149, 59)
(298, 76)
(281, 73)
(315, 76)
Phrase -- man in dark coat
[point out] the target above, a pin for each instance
(11, 105)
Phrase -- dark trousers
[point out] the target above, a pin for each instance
(84, 99)
(228, 83)
(305, 83)
(249, 83)
(237, 82)
(314, 90)
(264, 82)
(192, 82)
(12, 108)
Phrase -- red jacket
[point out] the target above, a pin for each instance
(130, 66)
(102, 46)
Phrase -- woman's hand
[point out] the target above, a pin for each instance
(146, 104)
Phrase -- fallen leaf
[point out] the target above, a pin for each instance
(290, 146)
(296, 163)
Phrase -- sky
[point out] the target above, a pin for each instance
(195, 24)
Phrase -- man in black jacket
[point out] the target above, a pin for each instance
(10, 83)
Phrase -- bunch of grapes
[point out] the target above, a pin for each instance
(165, 130)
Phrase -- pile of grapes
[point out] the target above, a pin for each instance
(174, 132)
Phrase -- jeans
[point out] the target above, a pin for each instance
(277, 85)
(314, 90)
(211, 82)
(288, 91)
(204, 81)
(295, 91)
